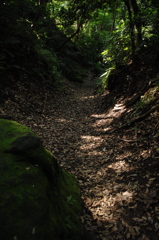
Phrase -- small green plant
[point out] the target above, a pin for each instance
(70, 200)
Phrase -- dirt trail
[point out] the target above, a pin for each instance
(118, 188)
(119, 191)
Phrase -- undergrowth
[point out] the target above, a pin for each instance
(146, 98)
(103, 81)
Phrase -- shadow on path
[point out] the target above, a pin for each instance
(118, 188)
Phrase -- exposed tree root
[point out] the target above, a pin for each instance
(141, 117)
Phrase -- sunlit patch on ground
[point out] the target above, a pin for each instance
(90, 142)
(124, 155)
(62, 120)
(87, 97)
(108, 117)
(120, 166)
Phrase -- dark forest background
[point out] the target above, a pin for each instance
(42, 39)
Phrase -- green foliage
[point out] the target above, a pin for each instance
(68, 37)
(70, 200)
(48, 60)
(23, 50)
(104, 80)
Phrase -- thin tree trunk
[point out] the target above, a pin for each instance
(137, 20)
(132, 36)
(69, 38)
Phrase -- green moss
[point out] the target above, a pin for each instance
(72, 208)
(10, 131)
(38, 200)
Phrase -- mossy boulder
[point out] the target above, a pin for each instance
(38, 200)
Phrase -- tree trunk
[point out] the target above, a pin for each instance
(42, 2)
(132, 36)
(137, 21)
(69, 38)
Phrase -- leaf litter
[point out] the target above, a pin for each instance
(117, 169)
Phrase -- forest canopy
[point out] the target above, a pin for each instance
(45, 38)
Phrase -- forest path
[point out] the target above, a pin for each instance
(118, 187)
(113, 166)
(77, 133)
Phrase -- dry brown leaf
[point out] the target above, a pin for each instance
(128, 235)
(144, 237)
(138, 220)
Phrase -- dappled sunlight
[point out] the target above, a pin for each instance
(103, 122)
(109, 202)
(107, 118)
(87, 97)
(61, 120)
(95, 153)
(90, 142)
(107, 129)
(105, 159)
(112, 193)
(64, 120)
(120, 166)
(109, 205)
(84, 77)
(126, 155)
(89, 138)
